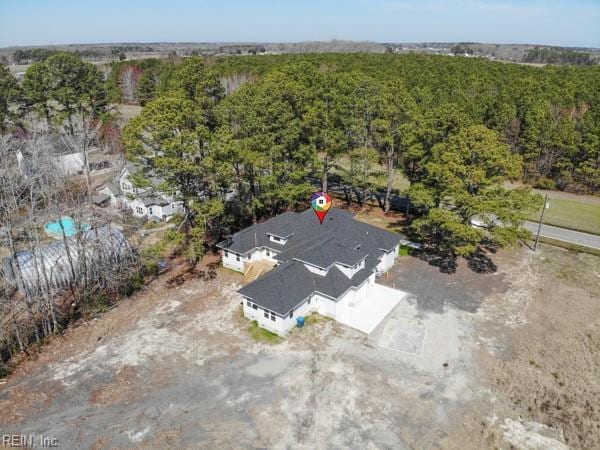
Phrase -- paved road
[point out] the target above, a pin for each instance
(562, 234)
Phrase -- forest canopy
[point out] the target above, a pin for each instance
(238, 138)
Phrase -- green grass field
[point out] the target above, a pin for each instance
(576, 215)
(580, 215)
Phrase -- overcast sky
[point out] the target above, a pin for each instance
(554, 22)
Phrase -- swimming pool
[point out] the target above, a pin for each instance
(67, 224)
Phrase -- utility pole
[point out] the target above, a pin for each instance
(537, 237)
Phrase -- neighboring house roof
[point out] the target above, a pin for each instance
(99, 157)
(113, 187)
(340, 239)
(133, 167)
(150, 200)
(100, 199)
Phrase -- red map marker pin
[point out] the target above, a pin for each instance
(320, 202)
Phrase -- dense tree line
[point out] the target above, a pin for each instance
(550, 116)
(33, 55)
(300, 119)
(558, 56)
(458, 129)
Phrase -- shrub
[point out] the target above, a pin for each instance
(544, 183)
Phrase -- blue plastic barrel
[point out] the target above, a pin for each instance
(300, 321)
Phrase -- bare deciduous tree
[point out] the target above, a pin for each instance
(80, 137)
(128, 81)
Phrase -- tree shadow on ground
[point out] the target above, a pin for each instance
(447, 263)
(480, 262)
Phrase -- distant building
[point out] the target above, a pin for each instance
(109, 194)
(67, 161)
(147, 202)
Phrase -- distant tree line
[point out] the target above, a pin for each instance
(34, 55)
(130, 48)
(545, 55)
(462, 49)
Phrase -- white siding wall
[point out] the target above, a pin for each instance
(114, 200)
(158, 211)
(278, 240)
(140, 210)
(285, 324)
(281, 325)
(351, 271)
(387, 260)
(137, 207)
(261, 254)
(230, 260)
(318, 303)
(325, 306)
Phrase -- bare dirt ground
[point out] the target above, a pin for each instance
(503, 360)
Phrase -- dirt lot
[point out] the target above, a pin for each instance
(471, 361)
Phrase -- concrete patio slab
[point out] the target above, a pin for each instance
(371, 311)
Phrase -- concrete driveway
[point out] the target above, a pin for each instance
(370, 312)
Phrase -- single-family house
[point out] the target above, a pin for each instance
(65, 159)
(111, 192)
(329, 268)
(146, 202)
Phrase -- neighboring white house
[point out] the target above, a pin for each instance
(109, 193)
(67, 161)
(146, 202)
(328, 268)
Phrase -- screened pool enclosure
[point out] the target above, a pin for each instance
(52, 267)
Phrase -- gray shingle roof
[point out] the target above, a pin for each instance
(340, 239)
(152, 199)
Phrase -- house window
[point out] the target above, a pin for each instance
(139, 210)
(266, 314)
(273, 317)
(309, 299)
(248, 303)
(254, 306)
(249, 256)
(237, 258)
(150, 210)
(291, 313)
(226, 253)
(268, 253)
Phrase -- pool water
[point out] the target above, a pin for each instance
(66, 223)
